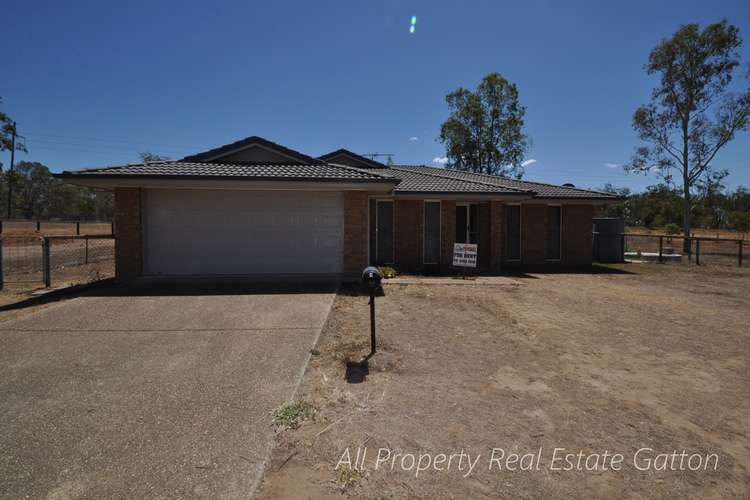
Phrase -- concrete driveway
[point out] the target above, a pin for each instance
(149, 393)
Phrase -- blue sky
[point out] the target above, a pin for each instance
(94, 83)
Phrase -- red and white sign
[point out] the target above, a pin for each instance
(464, 255)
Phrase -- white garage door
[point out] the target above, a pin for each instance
(202, 232)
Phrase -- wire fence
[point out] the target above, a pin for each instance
(23, 227)
(681, 249)
(36, 261)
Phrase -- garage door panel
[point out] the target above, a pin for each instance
(197, 232)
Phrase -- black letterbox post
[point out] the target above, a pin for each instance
(372, 278)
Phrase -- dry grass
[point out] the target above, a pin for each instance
(705, 233)
(28, 228)
(655, 357)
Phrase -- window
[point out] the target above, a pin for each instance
(513, 232)
(384, 232)
(431, 232)
(554, 232)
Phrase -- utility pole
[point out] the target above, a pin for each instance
(10, 170)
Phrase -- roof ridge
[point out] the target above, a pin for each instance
(361, 170)
(374, 163)
(228, 148)
(406, 169)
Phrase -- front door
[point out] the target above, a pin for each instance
(467, 223)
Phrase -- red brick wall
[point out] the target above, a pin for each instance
(497, 234)
(355, 232)
(576, 236)
(128, 234)
(447, 234)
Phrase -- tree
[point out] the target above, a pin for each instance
(7, 128)
(692, 113)
(739, 221)
(148, 156)
(484, 132)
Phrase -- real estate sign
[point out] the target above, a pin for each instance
(464, 255)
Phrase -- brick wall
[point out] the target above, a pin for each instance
(355, 232)
(497, 234)
(576, 236)
(408, 234)
(128, 234)
(447, 234)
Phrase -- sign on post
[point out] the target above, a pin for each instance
(464, 255)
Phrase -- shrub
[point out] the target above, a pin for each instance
(387, 272)
(672, 228)
(290, 414)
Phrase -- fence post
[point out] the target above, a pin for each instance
(698, 252)
(1, 227)
(739, 255)
(661, 248)
(78, 228)
(86, 254)
(45, 263)
(112, 227)
(622, 247)
(38, 225)
(690, 249)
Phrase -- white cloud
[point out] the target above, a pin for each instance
(528, 162)
(414, 138)
(439, 160)
(612, 165)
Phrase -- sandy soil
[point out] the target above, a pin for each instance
(653, 356)
(28, 228)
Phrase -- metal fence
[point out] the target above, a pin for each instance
(22, 227)
(55, 260)
(694, 249)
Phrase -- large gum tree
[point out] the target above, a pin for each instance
(484, 132)
(694, 110)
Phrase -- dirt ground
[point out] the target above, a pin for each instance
(633, 357)
(28, 228)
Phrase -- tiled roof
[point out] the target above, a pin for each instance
(196, 170)
(538, 189)
(363, 159)
(247, 141)
(414, 181)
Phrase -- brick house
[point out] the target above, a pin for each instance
(256, 208)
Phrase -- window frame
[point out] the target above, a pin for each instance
(520, 233)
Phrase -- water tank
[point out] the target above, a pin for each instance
(608, 245)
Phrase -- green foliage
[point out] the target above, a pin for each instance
(739, 221)
(661, 205)
(484, 132)
(36, 194)
(672, 228)
(692, 113)
(387, 272)
(291, 414)
(7, 127)
(148, 156)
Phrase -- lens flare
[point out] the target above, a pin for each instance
(411, 29)
(413, 20)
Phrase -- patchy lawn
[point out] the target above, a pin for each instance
(645, 356)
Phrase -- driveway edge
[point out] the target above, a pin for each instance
(261, 472)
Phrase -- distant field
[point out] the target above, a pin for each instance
(28, 228)
(706, 233)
